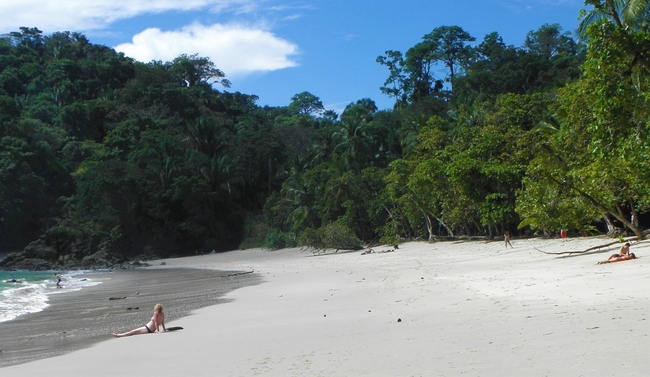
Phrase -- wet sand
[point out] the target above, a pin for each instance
(124, 300)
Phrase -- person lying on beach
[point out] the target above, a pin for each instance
(622, 253)
(618, 258)
(154, 324)
(370, 251)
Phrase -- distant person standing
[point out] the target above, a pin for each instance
(507, 239)
(563, 234)
(58, 280)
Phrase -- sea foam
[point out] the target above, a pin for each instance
(30, 294)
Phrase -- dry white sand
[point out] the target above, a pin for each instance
(444, 309)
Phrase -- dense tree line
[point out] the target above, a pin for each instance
(103, 155)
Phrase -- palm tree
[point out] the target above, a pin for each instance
(630, 17)
(625, 14)
(162, 162)
(353, 141)
(219, 171)
(321, 149)
(207, 136)
(341, 186)
(296, 195)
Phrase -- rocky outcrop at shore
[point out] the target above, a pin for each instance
(18, 261)
(39, 256)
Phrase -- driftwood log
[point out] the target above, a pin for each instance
(589, 249)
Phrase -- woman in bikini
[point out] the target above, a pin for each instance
(623, 254)
(618, 258)
(154, 324)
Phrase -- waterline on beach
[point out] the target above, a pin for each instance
(124, 300)
(23, 292)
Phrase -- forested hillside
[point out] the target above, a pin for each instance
(103, 158)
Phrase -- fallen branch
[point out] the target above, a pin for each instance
(589, 249)
(238, 274)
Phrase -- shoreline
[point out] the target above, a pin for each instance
(124, 299)
(454, 308)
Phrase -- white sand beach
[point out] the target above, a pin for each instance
(442, 309)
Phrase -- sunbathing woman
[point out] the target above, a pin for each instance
(618, 258)
(154, 324)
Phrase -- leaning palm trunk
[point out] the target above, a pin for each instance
(637, 232)
(429, 225)
(451, 233)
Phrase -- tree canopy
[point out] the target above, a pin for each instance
(103, 155)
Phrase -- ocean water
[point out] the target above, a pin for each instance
(23, 292)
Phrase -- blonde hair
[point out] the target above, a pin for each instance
(157, 308)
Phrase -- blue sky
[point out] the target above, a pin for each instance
(278, 48)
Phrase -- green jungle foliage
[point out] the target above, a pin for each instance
(101, 155)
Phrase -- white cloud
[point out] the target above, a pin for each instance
(337, 107)
(84, 15)
(235, 49)
(531, 5)
(292, 17)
